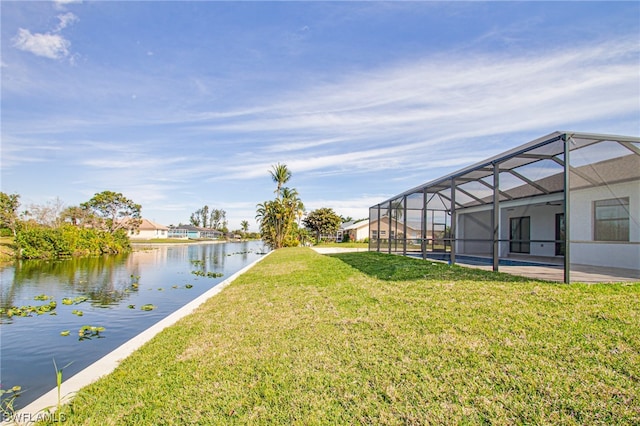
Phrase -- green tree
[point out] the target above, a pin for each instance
(209, 218)
(244, 225)
(76, 215)
(9, 204)
(280, 174)
(277, 218)
(114, 211)
(204, 214)
(195, 218)
(323, 221)
(218, 220)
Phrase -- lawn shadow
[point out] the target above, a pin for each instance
(390, 267)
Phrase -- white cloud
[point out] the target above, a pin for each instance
(61, 4)
(65, 19)
(52, 46)
(49, 45)
(415, 113)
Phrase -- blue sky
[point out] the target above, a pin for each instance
(182, 104)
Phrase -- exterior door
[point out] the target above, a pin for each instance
(520, 234)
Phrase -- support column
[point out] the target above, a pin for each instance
(404, 226)
(423, 225)
(378, 230)
(453, 222)
(567, 210)
(495, 219)
(390, 216)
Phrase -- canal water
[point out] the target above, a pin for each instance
(125, 294)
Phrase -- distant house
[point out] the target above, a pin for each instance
(194, 232)
(148, 230)
(356, 230)
(393, 229)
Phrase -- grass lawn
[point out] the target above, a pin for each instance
(369, 338)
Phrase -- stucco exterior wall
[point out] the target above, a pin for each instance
(586, 251)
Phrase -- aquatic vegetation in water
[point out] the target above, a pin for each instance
(207, 274)
(42, 297)
(75, 301)
(65, 333)
(147, 307)
(8, 397)
(77, 312)
(188, 285)
(29, 310)
(87, 332)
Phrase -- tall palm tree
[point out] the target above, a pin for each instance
(280, 175)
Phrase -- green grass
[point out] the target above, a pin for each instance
(368, 338)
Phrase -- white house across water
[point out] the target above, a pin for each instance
(569, 199)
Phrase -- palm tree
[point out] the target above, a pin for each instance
(280, 175)
(244, 225)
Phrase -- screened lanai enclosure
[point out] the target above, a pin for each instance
(566, 200)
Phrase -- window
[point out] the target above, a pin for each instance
(611, 219)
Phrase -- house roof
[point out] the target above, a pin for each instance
(355, 224)
(148, 225)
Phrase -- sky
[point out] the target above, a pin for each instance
(181, 104)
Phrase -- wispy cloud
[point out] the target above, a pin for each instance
(398, 115)
(65, 20)
(52, 46)
(62, 4)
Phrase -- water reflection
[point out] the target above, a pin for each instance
(116, 287)
(102, 279)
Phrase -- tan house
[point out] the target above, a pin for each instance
(356, 230)
(381, 229)
(149, 230)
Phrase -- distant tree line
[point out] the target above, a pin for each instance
(210, 218)
(98, 226)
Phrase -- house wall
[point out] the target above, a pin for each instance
(586, 251)
(362, 233)
(148, 234)
(474, 226)
(384, 229)
(543, 227)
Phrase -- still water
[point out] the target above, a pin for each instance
(115, 289)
